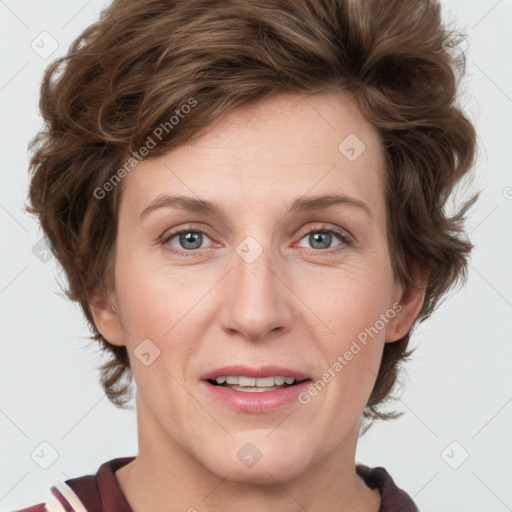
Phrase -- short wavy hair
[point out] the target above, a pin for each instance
(135, 67)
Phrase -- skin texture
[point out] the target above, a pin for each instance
(297, 305)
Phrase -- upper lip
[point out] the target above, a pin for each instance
(261, 372)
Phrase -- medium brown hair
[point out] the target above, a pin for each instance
(133, 69)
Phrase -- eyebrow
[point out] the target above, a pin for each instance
(304, 203)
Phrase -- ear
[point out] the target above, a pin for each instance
(410, 300)
(104, 311)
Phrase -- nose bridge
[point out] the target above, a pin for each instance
(255, 304)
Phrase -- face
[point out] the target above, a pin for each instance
(267, 279)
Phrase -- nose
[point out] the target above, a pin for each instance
(256, 302)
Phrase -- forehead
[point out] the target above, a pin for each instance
(284, 146)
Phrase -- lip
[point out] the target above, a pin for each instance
(258, 402)
(261, 372)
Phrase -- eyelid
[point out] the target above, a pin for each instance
(324, 228)
(170, 234)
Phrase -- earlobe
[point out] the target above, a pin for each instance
(411, 302)
(106, 319)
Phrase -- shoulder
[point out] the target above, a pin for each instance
(393, 498)
(99, 492)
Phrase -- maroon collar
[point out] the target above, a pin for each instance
(101, 492)
(392, 497)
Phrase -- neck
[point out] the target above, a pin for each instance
(164, 476)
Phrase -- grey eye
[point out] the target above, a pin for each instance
(189, 240)
(320, 240)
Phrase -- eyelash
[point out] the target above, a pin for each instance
(345, 239)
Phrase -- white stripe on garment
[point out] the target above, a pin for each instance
(70, 495)
(53, 504)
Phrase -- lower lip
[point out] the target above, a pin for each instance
(264, 401)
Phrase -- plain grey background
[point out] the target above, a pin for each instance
(452, 449)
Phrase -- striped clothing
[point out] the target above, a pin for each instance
(101, 492)
(90, 493)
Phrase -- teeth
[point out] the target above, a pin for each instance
(263, 382)
(246, 381)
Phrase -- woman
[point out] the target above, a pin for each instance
(247, 200)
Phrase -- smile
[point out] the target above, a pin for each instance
(252, 384)
(255, 390)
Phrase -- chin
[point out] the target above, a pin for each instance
(264, 473)
(258, 462)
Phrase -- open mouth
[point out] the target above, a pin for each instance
(255, 385)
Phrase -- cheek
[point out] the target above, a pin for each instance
(351, 300)
(355, 306)
(155, 297)
(168, 306)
